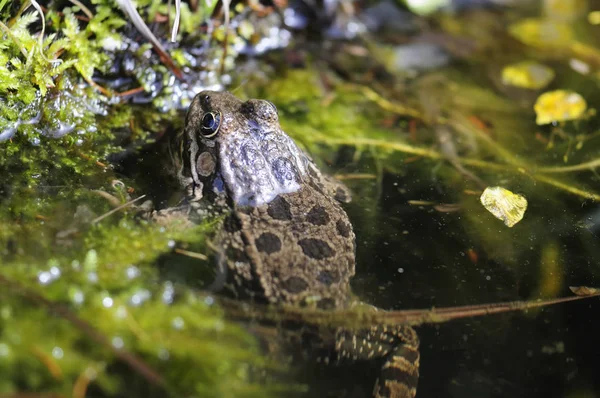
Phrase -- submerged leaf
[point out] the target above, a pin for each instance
(504, 205)
(558, 106)
(527, 74)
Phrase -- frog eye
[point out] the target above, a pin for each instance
(209, 126)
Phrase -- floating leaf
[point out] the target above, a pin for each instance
(559, 105)
(504, 205)
(542, 33)
(527, 74)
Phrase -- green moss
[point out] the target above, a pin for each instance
(56, 135)
(105, 273)
(36, 62)
(112, 283)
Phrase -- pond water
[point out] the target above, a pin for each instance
(416, 114)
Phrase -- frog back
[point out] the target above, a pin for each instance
(297, 249)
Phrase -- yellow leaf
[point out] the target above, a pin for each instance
(527, 74)
(558, 106)
(504, 205)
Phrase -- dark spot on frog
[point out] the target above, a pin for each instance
(247, 108)
(268, 243)
(295, 285)
(279, 209)
(326, 304)
(410, 355)
(343, 228)
(316, 248)
(232, 224)
(236, 255)
(340, 195)
(328, 277)
(399, 376)
(317, 215)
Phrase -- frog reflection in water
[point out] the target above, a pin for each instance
(286, 239)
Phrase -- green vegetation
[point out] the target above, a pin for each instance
(82, 304)
(115, 288)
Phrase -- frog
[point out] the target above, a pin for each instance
(285, 238)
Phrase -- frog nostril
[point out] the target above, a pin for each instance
(205, 101)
